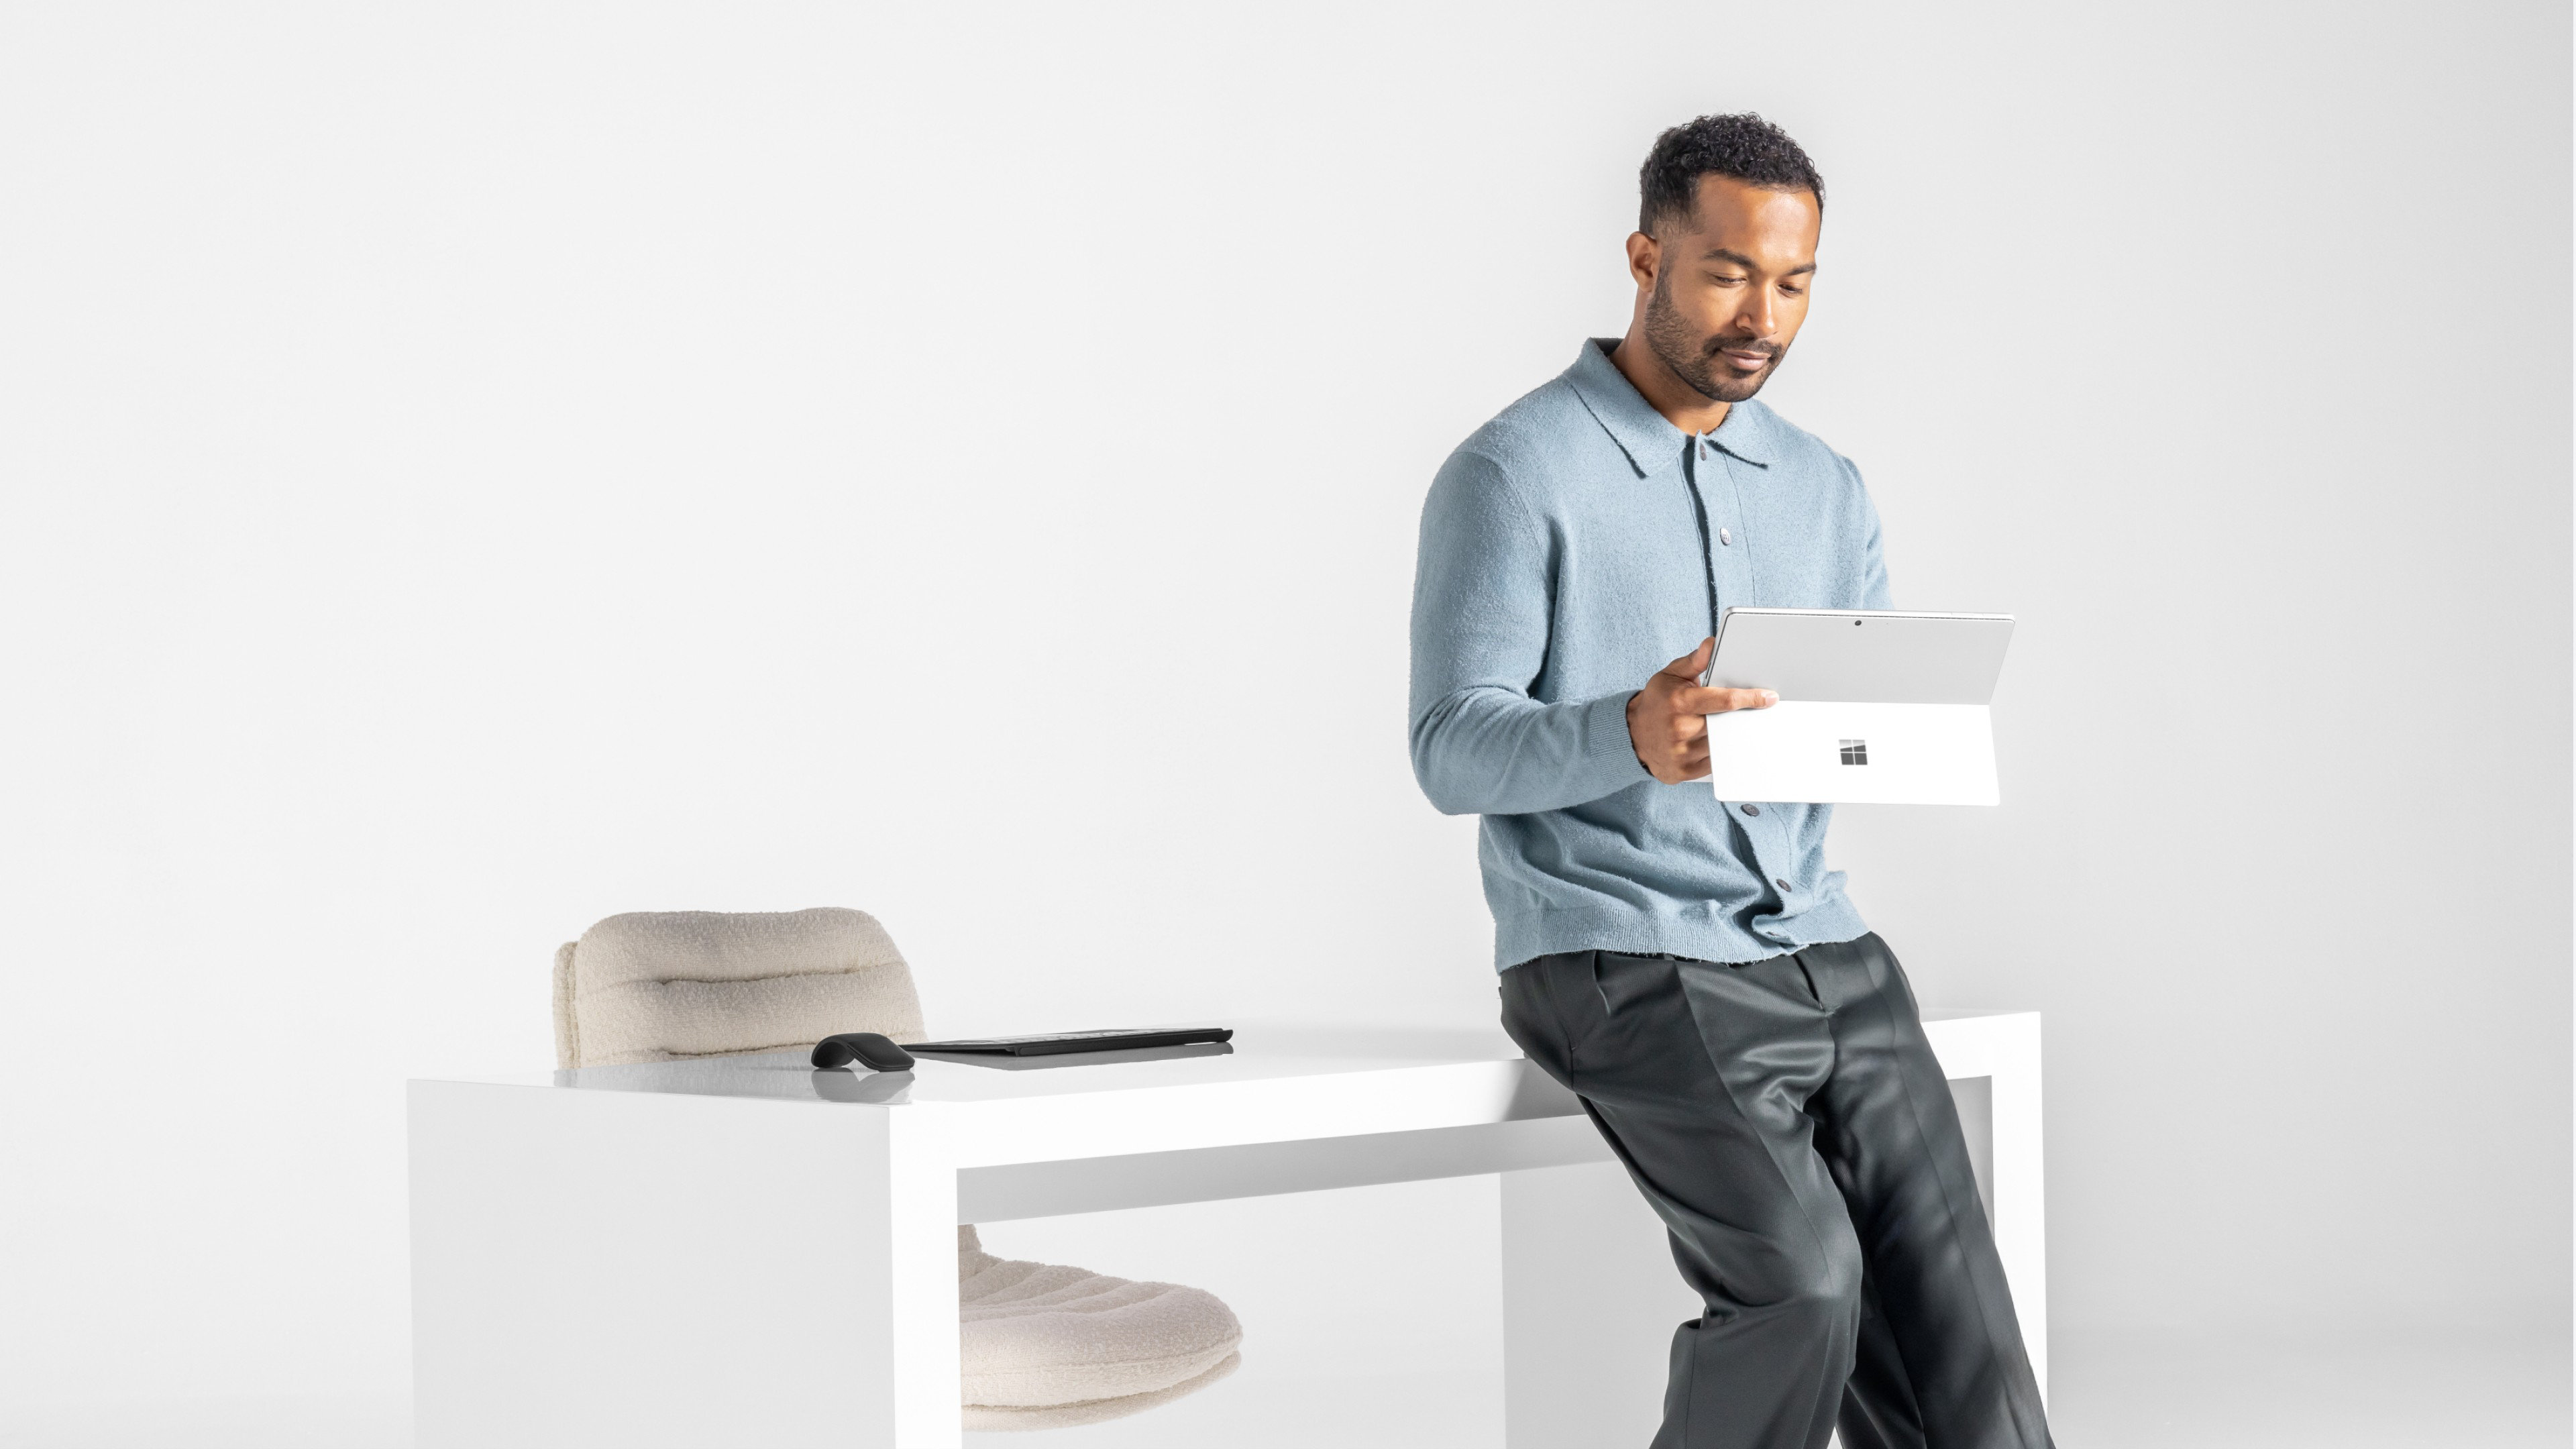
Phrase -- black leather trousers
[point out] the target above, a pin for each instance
(1788, 1122)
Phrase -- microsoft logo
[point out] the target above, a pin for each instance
(1855, 752)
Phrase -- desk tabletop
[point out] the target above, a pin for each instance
(1260, 1052)
(1273, 1082)
(1266, 1052)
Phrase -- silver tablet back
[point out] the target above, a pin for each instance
(1862, 655)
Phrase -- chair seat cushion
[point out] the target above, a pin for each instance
(1041, 1336)
(990, 1417)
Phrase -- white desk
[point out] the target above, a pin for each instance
(744, 1251)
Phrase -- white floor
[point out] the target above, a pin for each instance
(2223, 1394)
(1372, 1321)
(2375, 1389)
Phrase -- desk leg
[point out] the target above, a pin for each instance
(2020, 1193)
(1590, 1301)
(632, 1270)
(920, 1256)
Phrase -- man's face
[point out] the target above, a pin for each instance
(1724, 292)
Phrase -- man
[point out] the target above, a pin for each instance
(1685, 964)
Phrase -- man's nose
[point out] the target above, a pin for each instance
(1755, 315)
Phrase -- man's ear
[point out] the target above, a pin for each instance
(1645, 254)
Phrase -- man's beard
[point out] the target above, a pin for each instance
(1694, 358)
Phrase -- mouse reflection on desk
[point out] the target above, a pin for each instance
(841, 1084)
(876, 1053)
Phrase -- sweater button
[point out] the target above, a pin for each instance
(1750, 809)
(1782, 884)
(1725, 537)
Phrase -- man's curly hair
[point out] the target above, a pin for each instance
(1744, 147)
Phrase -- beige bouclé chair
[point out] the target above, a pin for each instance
(1042, 1346)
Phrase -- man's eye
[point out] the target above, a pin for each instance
(1726, 281)
(1793, 291)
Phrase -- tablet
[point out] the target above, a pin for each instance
(1876, 707)
(1866, 656)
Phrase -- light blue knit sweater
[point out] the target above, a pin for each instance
(1561, 564)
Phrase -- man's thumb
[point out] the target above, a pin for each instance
(1690, 666)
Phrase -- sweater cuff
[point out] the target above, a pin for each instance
(1609, 755)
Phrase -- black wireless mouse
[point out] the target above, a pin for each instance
(876, 1053)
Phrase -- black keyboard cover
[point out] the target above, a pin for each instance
(1056, 1043)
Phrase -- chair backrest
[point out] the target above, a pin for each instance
(655, 986)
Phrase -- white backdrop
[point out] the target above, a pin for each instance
(468, 470)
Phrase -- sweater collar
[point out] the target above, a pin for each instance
(1649, 439)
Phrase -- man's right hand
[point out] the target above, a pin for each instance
(1668, 719)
